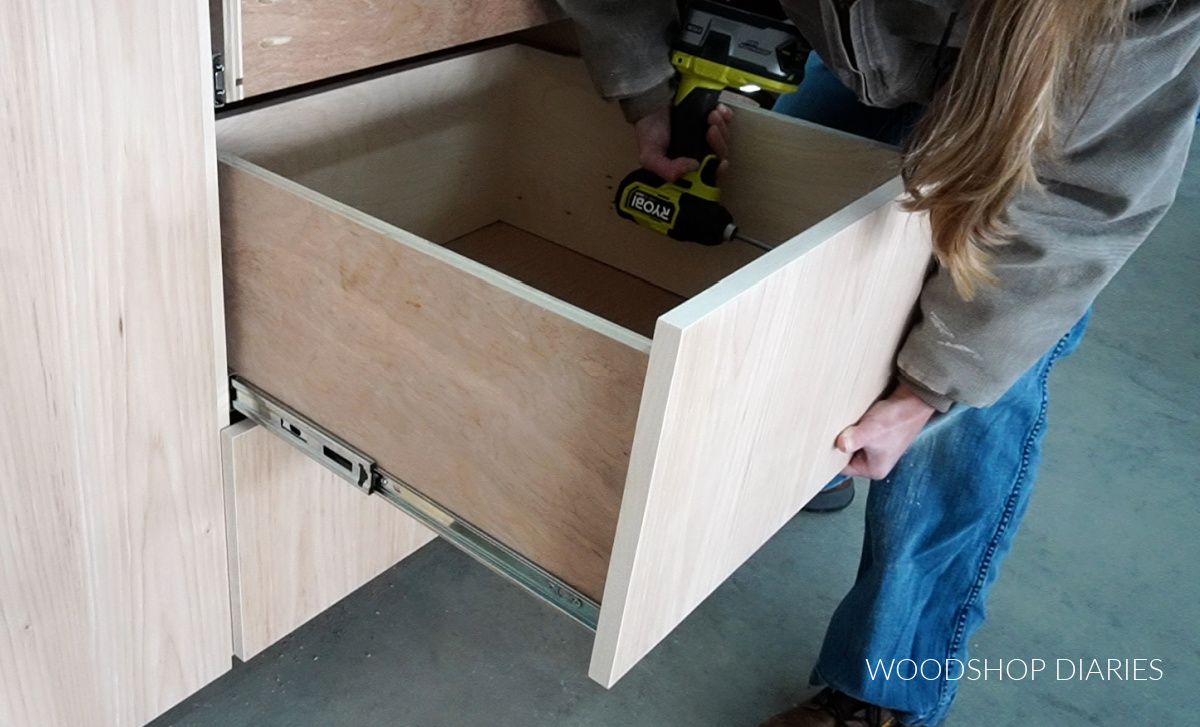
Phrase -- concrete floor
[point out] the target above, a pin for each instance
(1107, 565)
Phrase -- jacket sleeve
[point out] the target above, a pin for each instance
(1115, 178)
(626, 46)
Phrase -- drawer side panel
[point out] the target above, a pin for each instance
(511, 414)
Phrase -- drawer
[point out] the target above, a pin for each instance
(428, 266)
(268, 45)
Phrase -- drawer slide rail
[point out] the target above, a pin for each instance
(361, 471)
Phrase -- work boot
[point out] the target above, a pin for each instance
(835, 498)
(834, 709)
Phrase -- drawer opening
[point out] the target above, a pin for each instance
(509, 158)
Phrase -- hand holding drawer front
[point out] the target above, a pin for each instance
(475, 317)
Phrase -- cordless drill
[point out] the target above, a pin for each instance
(719, 47)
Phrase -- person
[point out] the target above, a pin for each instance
(1052, 139)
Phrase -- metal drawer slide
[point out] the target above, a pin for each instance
(360, 470)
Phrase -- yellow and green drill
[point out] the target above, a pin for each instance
(720, 47)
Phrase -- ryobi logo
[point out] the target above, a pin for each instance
(656, 207)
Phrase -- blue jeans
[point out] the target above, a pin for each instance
(822, 99)
(939, 525)
(937, 529)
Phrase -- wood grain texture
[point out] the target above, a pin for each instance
(784, 176)
(113, 590)
(447, 148)
(510, 408)
(289, 42)
(597, 288)
(301, 538)
(570, 151)
(748, 386)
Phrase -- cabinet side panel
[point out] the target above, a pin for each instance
(291, 42)
(305, 537)
(113, 589)
(740, 422)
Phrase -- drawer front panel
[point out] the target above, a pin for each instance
(285, 43)
(749, 385)
(500, 406)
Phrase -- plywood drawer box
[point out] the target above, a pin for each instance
(428, 265)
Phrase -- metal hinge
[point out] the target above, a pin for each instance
(361, 471)
(218, 62)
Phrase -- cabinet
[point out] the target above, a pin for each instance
(114, 563)
(299, 539)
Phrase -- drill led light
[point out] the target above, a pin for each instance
(750, 88)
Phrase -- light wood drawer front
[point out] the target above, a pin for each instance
(274, 44)
(515, 383)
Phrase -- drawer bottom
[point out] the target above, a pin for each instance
(610, 293)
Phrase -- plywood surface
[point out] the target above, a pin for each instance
(512, 410)
(520, 135)
(786, 175)
(749, 384)
(598, 288)
(113, 593)
(301, 538)
(424, 150)
(570, 150)
(288, 42)
(573, 150)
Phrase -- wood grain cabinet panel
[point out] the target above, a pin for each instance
(113, 592)
(383, 278)
(301, 539)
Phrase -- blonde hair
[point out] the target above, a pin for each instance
(1026, 66)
